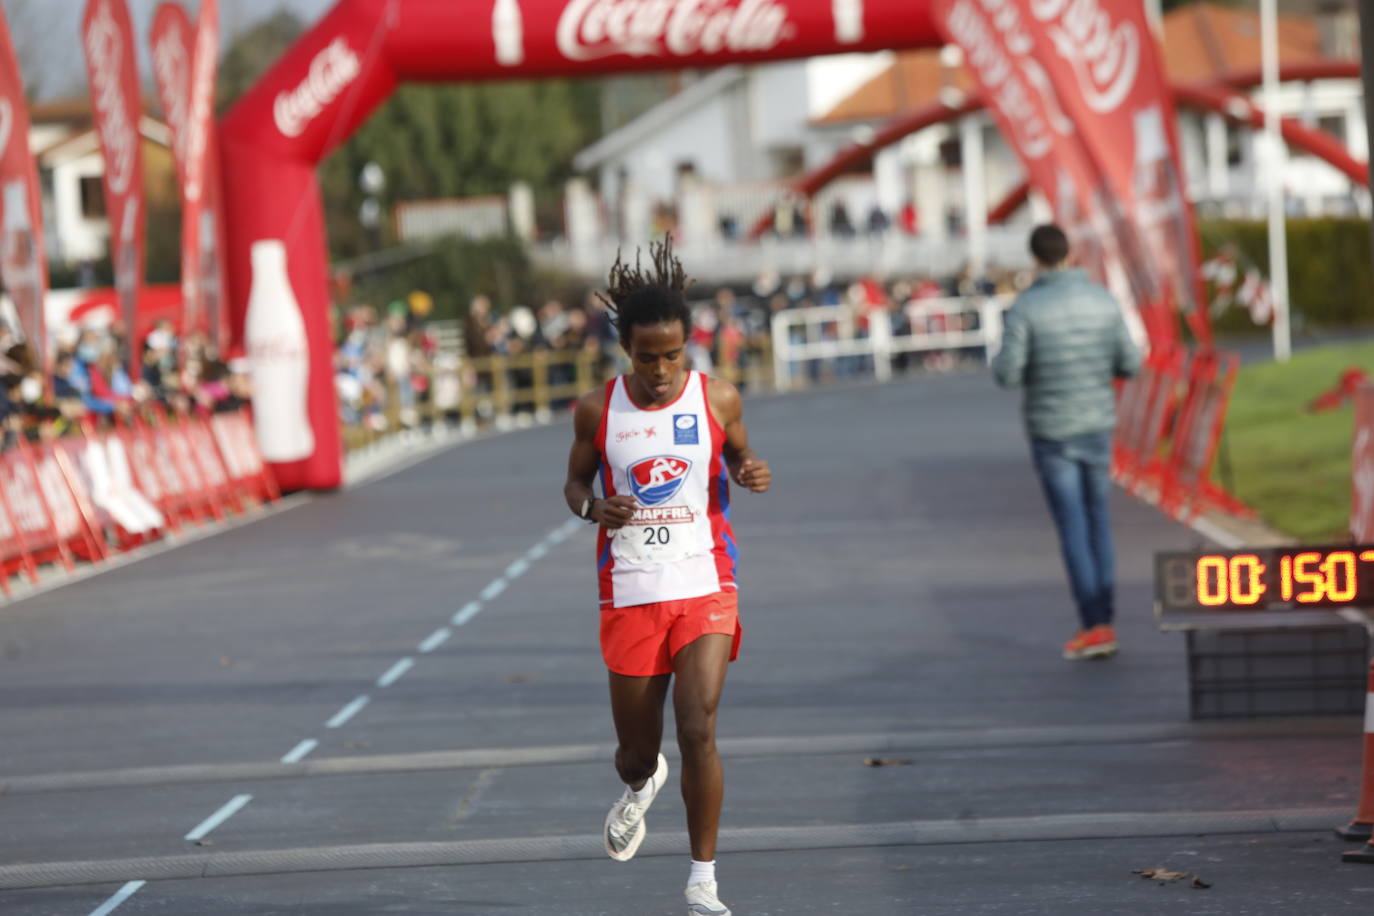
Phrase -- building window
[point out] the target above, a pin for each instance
(1333, 124)
(1235, 151)
(92, 197)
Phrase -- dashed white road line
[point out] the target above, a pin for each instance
(299, 752)
(435, 640)
(348, 712)
(124, 893)
(467, 612)
(230, 808)
(393, 674)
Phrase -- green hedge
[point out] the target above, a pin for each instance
(1330, 282)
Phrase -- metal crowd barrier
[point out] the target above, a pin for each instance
(501, 392)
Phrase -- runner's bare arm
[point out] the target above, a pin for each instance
(583, 462)
(748, 469)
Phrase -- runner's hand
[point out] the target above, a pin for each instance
(754, 474)
(615, 511)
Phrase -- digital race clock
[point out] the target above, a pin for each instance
(1265, 579)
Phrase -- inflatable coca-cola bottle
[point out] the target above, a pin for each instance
(279, 357)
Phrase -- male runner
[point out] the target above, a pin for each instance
(662, 440)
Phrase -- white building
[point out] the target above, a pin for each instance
(71, 170)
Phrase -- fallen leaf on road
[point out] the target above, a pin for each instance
(1200, 884)
(885, 762)
(1161, 874)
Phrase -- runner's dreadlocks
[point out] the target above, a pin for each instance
(636, 296)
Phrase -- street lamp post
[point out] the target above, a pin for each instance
(372, 182)
(1274, 156)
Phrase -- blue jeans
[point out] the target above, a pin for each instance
(1076, 476)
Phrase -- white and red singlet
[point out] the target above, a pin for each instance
(679, 543)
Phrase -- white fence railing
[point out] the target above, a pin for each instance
(832, 332)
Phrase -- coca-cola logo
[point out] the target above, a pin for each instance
(1012, 98)
(590, 29)
(118, 137)
(59, 498)
(1104, 56)
(173, 73)
(24, 500)
(333, 68)
(202, 84)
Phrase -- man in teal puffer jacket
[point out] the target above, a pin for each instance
(1064, 340)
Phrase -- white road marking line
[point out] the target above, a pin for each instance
(496, 587)
(517, 569)
(348, 712)
(467, 612)
(537, 552)
(219, 817)
(394, 673)
(124, 893)
(299, 752)
(435, 640)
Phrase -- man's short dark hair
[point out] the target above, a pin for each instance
(1049, 244)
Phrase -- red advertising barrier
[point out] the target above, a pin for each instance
(1148, 403)
(1362, 467)
(1172, 417)
(1188, 486)
(81, 497)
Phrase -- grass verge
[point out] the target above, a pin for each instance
(1289, 465)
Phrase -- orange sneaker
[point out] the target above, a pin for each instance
(1099, 642)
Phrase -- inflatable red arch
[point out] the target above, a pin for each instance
(328, 83)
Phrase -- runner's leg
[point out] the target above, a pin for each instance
(637, 708)
(700, 669)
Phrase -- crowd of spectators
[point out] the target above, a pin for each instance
(90, 377)
(391, 370)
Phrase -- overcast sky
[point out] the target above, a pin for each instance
(54, 26)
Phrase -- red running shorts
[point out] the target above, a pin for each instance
(641, 640)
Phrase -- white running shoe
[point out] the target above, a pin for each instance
(702, 901)
(625, 826)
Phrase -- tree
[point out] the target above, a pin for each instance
(458, 141)
(252, 52)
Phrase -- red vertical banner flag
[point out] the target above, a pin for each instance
(184, 64)
(1105, 64)
(23, 264)
(112, 73)
(1001, 54)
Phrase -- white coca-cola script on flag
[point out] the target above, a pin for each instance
(184, 63)
(589, 29)
(331, 71)
(112, 72)
(1104, 52)
(23, 264)
(1105, 65)
(1000, 50)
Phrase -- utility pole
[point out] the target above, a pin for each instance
(1367, 74)
(1275, 155)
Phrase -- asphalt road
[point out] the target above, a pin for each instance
(423, 647)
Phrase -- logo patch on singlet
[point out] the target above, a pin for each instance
(685, 429)
(654, 481)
